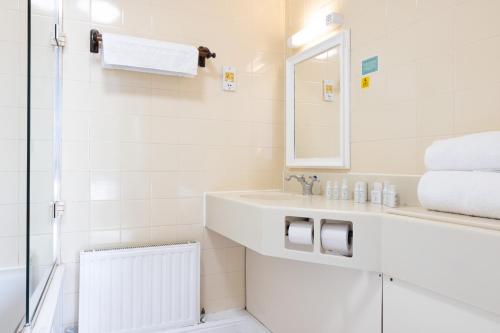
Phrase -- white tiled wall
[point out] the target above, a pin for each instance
(139, 150)
(12, 134)
(438, 75)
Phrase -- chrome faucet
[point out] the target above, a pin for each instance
(307, 185)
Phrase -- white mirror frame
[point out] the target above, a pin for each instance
(342, 40)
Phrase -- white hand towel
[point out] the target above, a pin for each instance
(150, 56)
(464, 192)
(479, 151)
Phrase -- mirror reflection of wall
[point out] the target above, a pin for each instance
(317, 106)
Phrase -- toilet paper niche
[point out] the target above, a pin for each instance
(336, 237)
(299, 233)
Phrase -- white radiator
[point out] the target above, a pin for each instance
(139, 289)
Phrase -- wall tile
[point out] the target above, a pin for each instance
(136, 185)
(105, 215)
(135, 236)
(75, 126)
(135, 213)
(165, 212)
(75, 156)
(77, 10)
(76, 186)
(9, 222)
(71, 244)
(389, 156)
(475, 113)
(9, 252)
(105, 185)
(105, 155)
(76, 217)
(480, 14)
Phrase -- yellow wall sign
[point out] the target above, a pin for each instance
(365, 82)
(328, 90)
(229, 76)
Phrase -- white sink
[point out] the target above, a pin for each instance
(271, 196)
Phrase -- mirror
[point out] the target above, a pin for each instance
(317, 111)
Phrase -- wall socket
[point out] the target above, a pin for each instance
(229, 78)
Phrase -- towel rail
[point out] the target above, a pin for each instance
(204, 52)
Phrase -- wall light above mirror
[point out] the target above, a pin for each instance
(318, 26)
(318, 105)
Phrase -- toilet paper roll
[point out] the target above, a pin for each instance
(300, 233)
(335, 238)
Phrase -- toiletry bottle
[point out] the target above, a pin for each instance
(336, 191)
(355, 196)
(359, 192)
(362, 192)
(345, 190)
(392, 197)
(329, 190)
(385, 191)
(376, 194)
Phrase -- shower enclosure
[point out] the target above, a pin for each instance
(30, 143)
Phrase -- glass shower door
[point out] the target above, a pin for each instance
(43, 158)
(12, 164)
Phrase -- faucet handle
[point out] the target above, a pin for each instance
(307, 185)
(313, 179)
(299, 178)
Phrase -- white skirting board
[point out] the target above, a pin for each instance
(139, 289)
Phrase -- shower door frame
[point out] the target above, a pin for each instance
(34, 301)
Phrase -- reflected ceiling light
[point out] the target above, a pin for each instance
(329, 54)
(317, 27)
(104, 12)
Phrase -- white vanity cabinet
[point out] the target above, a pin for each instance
(291, 296)
(440, 277)
(411, 309)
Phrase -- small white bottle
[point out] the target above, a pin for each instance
(392, 197)
(361, 192)
(376, 194)
(336, 190)
(329, 190)
(385, 190)
(345, 195)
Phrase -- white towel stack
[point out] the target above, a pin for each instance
(463, 176)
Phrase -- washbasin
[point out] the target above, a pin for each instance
(271, 196)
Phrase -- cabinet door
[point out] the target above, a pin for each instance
(411, 309)
(290, 296)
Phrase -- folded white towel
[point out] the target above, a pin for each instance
(150, 56)
(464, 192)
(479, 151)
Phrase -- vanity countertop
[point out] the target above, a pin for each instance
(430, 215)
(279, 199)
